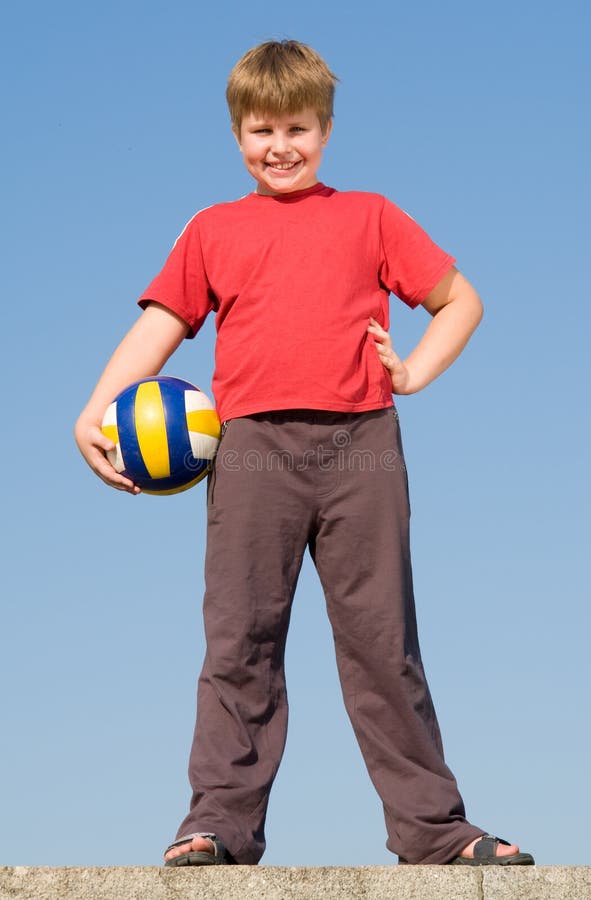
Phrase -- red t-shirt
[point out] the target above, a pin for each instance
(293, 280)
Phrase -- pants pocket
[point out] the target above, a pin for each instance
(211, 478)
(398, 446)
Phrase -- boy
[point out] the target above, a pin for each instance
(310, 457)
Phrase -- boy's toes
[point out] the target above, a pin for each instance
(200, 844)
(501, 850)
(507, 849)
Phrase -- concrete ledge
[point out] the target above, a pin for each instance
(537, 883)
(277, 883)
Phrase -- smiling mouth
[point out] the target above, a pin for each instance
(283, 167)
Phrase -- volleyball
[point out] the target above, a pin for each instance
(166, 433)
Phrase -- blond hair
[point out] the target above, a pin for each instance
(280, 77)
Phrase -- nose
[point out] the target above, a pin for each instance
(280, 142)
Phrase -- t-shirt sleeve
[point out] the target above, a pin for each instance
(182, 284)
(411, 264)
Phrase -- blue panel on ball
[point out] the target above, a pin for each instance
(179, 445)
(156, 485)
(132, 458)
(175, 382)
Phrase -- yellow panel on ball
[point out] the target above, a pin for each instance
(150, 424)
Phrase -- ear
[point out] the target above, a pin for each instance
(327, 132)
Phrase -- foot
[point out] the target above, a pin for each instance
(502, 850)
(197, 844)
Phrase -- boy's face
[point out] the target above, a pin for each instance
(282, 153)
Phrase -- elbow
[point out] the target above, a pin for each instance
(478, 310)
(473, 307)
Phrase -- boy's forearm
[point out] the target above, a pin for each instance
(142, 352)
(444, 339)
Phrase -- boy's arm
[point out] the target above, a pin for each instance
(142, 352)
(456, 309)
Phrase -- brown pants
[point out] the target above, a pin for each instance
(335, 483)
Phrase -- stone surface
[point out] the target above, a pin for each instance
(240, 883)
(278, 883)
(537, 883)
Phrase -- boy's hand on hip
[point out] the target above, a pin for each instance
(93, 445)
(389, 359)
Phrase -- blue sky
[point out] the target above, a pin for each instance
(473, 118)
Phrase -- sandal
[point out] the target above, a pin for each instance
(485, 854)
(219, 857)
